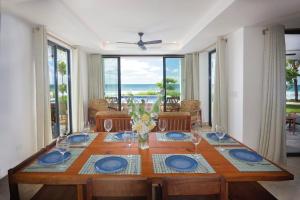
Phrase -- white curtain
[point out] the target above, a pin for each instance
(95, 77)
(272, 132)
(190, 76)
(43, 113)
(77, 90)
(220, 105)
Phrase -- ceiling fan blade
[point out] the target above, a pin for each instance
(143, 47)
(126, 42)
(153, 42)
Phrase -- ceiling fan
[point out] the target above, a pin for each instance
(141, 43)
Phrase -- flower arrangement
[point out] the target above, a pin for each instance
(143, 118)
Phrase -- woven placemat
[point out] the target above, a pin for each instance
(163, 138)
(160, 167)
(36, 167)
(245, 166)
(229, 141)
(133, 168)
(92, 137)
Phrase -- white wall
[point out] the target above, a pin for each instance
(253, 69)
(17, 125)
(244, 57)
(235, 62)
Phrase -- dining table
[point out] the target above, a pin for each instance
(77, 174)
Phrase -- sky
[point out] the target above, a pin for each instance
(141, 70)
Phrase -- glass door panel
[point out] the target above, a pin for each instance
(111, 82)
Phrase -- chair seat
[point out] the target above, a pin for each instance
(56, 192)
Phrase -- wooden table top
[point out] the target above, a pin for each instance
(98, 146)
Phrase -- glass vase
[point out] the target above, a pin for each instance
(143, 140)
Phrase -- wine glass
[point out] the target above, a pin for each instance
(62, 145)
(127, 136)
(108, 125)
(162, 125)
(220, 133)
(196, 139)
(86, 130)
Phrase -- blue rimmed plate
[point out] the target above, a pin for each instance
(53, 158)
(245, 155)
(79, 138)
(214, 137)
(111, 164)
(176, 135)
(181, 163)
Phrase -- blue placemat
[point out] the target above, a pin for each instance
(133, 168)
(36, 167)
(229, 141)
(244, 166)
(92, 137)
(160, 167)
(110, 137)
(163, 138)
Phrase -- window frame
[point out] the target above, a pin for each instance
(56, 47)
(209, 86)
(164, 57)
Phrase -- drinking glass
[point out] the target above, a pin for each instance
(162, 125)
(196, 139)
(128, 136)
(220, 133)
(62, 145)
(107, 125)
(86, 130)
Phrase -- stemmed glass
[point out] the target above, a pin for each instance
(62, 145)
(162, 125)
(128, 138)
(220, 133)
(86, 130)
(196, 138)
(108, 125)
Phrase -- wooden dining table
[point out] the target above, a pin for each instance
(71, 176)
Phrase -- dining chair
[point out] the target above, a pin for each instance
(207, 187)
(176, 121)
(119, 188)
(194, 108)
(120, 120)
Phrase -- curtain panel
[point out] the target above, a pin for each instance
(272, 142)
(43, 113)
(77, 91)
(190, 76)
(220, 101)
(95, 77)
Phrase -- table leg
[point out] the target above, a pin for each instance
(80, 192)
(224, 189)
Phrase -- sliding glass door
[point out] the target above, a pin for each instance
(60, 87)
(211, 79)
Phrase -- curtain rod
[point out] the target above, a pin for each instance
(60, 40)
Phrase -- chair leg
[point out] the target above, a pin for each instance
(13, 187)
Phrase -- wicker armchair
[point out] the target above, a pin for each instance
(95, 106)
(193, 107)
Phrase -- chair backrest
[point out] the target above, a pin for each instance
(208, 185)
(176, 121)
(120, 120)
(116, 187)
(190, 105)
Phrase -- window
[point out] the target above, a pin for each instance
(211, 79)
(142, 76)
(60, 87)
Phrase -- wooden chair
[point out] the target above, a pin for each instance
(209, 187)
(120, 120)
(116, 187)
(172, 104)
(176, 121)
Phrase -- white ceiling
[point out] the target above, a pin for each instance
(183, 25)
